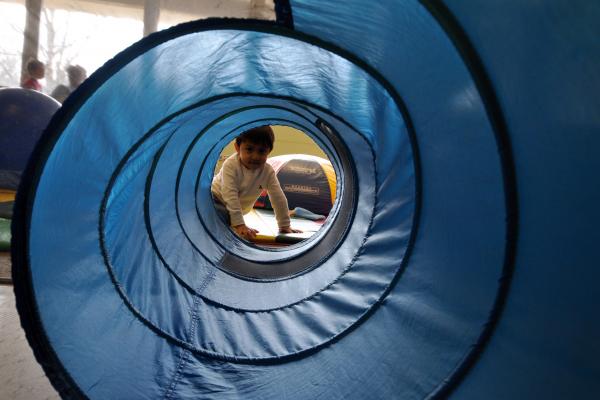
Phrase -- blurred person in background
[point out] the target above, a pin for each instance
(36, 71)
(77, 75)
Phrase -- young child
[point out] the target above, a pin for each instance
(36, 70)
(77, 75)
(242, 178)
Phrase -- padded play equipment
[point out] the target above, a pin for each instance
(459, 259)
(23, 116)
(307, 181)
(4, 234)
(7, 199)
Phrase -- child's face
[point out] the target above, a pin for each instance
(252, 155)
(39, 72)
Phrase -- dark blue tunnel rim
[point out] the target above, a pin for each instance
(45, 353)
(187, 346)
(179, 279)
(345, 218)
(349, 174)
(215, 355)
(123, 161)
(151, 235)
(304, 130)
(342, 217)
(307, 132)
(22, 278)
(24, 290)
(473, 62)
(141, 317)
(476, 67)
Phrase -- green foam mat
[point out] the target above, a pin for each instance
(4, 234)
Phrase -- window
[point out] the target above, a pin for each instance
(89, 33)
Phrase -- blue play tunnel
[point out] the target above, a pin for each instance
(459, 259)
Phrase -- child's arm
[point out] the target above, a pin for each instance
(230, 194)
(280, 204)
(245, 232)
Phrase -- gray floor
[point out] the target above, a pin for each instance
(4, 267)
(21, 377)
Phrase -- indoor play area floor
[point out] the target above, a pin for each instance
(21, 377)
(268, 233)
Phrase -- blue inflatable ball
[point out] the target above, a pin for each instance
(24, 115)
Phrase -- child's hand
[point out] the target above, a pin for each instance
(289, 230)
(245, 232)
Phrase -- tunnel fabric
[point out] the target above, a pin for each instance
(404, 305)
(463, 257)
(272, 296)
(536, 64)
(546, 81)
(169, 134)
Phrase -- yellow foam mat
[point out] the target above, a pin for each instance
(264, 221)
(7, 195)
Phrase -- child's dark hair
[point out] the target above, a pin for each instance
(259, 135)
(33, 65)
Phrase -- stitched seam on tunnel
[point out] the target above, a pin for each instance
(184, 356)
(183, 359)
(191, 334)
(207, 280)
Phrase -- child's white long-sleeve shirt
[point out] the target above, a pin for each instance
(238, 187)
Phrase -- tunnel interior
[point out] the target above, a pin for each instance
(122, 260)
